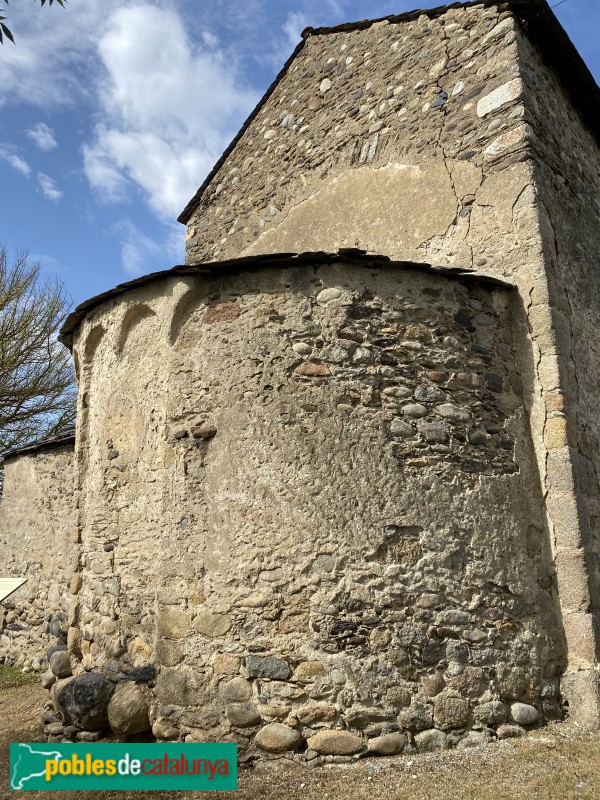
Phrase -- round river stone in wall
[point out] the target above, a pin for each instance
(212, 624)
(128, 709)
(48, 679)
(327, 295)
(302, 348)
(428, 741)
(415, 410)
(243, 715)
(336, 743)
(60, 664)
(308, 715)
(524, 714)
(237, 690)
(388, 744)
(453, 412)
(277, 738)
(401, 428)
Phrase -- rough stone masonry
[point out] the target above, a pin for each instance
(346, 502)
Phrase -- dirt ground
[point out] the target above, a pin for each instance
(556, 763)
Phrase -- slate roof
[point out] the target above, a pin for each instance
(62, 439)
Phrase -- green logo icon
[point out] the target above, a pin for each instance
(35, 766)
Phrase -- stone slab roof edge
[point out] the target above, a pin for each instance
(539, 23)
(259, 262)
(63, 439)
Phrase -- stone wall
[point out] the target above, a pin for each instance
(567, 178)
(448, 138)
(322, 509)
(404, 138)
(320, 504)
(37, 519)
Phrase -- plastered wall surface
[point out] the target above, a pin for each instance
(323, 508)
(37, 520)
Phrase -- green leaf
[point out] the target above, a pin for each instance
(6, 32)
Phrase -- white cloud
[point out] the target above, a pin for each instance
(169, 109)
(17, 162)
(102, 173)
(42, 136)
(292, 27)
(48, 186)
(48, 65)
(140, 253)
(209, 39)
(136, 250)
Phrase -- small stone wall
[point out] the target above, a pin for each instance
(37, 519)
(310, 514)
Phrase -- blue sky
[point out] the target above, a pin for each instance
(113, 111)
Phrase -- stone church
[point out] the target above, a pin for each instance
(334, 484)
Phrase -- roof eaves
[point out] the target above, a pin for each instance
(408, 16)
(255, 263)
(63, 439)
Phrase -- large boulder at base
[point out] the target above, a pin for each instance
(524, 714)
(84, 701)
(336, 743)
(277, 738)
(388, 744)
(128, 709)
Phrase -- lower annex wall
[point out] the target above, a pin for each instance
(37, 520)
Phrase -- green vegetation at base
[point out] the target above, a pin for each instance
(13, 676)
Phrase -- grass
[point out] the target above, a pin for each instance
(11, 677)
